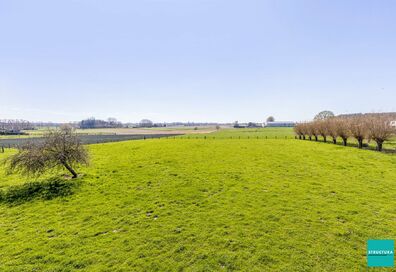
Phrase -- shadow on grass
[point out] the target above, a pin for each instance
(349, 144)
(30, 191)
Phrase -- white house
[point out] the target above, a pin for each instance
(280, 124)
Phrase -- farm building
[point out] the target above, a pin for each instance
(248, 125)
(280, 124)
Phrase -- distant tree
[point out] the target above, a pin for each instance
(380, 129)
(342, 129)
(313, 130)
(299, 130)
(251, 125)
(358, 127)
(324, 115)
(59, 149)
(270, 119)
(322, 128)
(310, 130)
(88, 123)
(304, 129)
(112, 120)
(332, 129)
(146, 123)
(217, 127)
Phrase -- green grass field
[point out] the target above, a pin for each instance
(270, 133)
(203, 205)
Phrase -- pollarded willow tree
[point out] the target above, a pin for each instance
(332, 129)
(342, 128)
(323, 128)
(358, 127)
(314, 130)
(379, 129)
(58, 149)
(298, 129)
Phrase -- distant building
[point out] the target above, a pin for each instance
(237, 125)
(393, 123)
(280, 124)
(248, 125)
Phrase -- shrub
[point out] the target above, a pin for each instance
(59, 149)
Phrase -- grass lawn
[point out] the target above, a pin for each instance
(204, 205)
(245, 133)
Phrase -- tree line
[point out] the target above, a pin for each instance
(14, 126)
(96, 123)
(364, 127)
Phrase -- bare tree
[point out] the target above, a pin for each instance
(342, 128)
(380, 129)
(323, 128)
(310, 130)
(332, 129)
(299, 130)
(59, 149)
(313, 130)
(358, 129)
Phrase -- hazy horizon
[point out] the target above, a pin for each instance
(198, 61)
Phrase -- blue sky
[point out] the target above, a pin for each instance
(195, 60)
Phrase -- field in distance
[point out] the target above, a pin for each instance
(119, 131)
(203, 205)
(158, 130)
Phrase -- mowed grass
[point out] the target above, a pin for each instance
(207, 205)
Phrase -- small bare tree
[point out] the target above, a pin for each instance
(358, 129)
(379, 129)
(322, 127)
(314, 130)
(304, 130)
(342, 128)
(298, 129)
(310, 130)
(59, 149)
(332, 129)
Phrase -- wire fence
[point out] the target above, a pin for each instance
(97, 139)
(233, 137)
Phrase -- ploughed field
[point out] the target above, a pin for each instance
(87, 139)
(202, 205)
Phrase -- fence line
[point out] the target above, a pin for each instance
(15, 143)
(232, 138)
